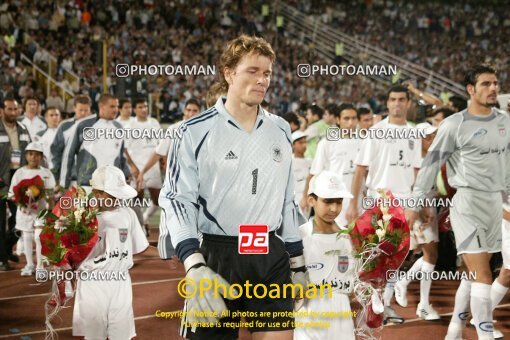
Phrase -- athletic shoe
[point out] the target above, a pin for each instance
(401, 294)
(27, 271)
(391, 316)
(427, 313)
(497, 333)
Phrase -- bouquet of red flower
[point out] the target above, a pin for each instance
(28, 192)
(380, 238)
(69, 233)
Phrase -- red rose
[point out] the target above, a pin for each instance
(70, 240)
(387, 247)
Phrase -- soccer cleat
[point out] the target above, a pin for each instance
(497, 333)
(427, 313)
(401, 294)
(27, 271)
(391, 316)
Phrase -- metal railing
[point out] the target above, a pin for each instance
(308, 29)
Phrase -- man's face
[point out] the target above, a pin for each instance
(52, 118)
(398, 104)
(126, 110)
(366, 121)
(329, 118)
(110, 109)
(142, 110)
(81, 110)
(11, 111)
(31, 106)
(485, 91)
(348, 119)
(190, 110)
(250, 79)
(299, 146)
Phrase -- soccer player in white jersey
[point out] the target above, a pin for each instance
(191, 109)
(139, 150)
(329, 260)
(103, 306)
(125, 111)
(392, 164)
(475, 145)
(425, 237)
(338, 155)
(45, 137)
(31, 118)
(300, 164)
(232, 168)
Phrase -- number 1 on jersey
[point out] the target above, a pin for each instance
(255, 174)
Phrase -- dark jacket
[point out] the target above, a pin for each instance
(5, 152)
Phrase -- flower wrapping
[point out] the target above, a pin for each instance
(28, 192)
(380, 238)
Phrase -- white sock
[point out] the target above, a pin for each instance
(425, 283)
(149, 212)
(28, 239)
(388, 293)
(498, 292)
(460, 310)
(416, 267)
(38, 254)
(481, 309)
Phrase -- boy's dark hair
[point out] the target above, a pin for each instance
(332, 109)
(447, 112)
(192, 101)
(398, 89)
(459, 102)
(291, 117)
(137, 101)
(346, 106)
(363, 111)
(474, 72)
(316, 110)
(123, 101)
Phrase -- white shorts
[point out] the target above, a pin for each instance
(506, 244)
(476, 221)
(152, 178)
(342, 324)
(104, 309)
(424, 236)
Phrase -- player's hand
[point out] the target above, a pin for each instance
(201, 308)
(299, 277)
(352, 212)
(139, 182)
(411, 217)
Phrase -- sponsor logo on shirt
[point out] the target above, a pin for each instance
(231, 155)
(480, 132)
(277, 153)
(315, 266)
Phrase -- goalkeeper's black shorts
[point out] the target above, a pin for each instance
(222, 255)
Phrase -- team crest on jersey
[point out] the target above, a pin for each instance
(277, 153)
(411, 144)
(123, 233)
(502, 131)
(343, 264)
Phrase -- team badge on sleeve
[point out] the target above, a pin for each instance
(277, 153)
(343, 263)
(123, 233)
